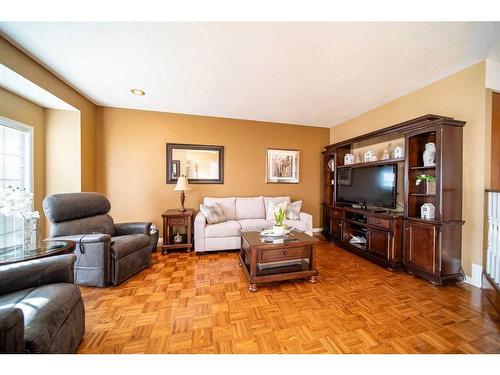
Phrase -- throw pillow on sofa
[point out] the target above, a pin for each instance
(293, 210)
(274, 207)
(213, 214)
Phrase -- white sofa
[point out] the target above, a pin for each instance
(242, 213)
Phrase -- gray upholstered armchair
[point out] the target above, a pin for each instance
(107, 253)
(41, 310)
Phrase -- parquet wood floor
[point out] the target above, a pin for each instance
(187, 303)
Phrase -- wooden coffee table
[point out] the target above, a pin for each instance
(266, 259)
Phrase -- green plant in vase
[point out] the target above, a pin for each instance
(430, 183)
(279, 217)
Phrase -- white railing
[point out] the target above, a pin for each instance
(493, 251)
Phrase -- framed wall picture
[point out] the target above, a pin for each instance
(201, 164)
(282, 166)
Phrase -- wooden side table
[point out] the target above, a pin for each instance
(176, 218)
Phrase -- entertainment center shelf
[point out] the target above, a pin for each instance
(422, 168)
(399, 239)
(379, 162)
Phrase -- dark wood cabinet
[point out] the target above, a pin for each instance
(336, 227)
(379, 242)
(174, 218)
(421, 241)
(429, 248)
(382, 233)
(433, 251)
(432, 247)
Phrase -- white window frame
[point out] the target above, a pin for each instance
(29, 148)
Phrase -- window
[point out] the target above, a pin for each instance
(15, 170)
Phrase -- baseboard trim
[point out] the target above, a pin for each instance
(476, 278)
(317, 230)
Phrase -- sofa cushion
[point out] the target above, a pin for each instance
(255, 224)
(228, 205)
(228, 228)
(297, 224)
(273, 208)
(275, 200)
(9, 300)
(70, 206)
(93, 224)
(293, 210)
(213, 214)
(122, 246)
(45, 310)
(250, 208)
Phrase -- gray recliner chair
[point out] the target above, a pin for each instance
(107, 253)
(41, 310)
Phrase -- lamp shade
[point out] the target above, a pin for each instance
(182, 184)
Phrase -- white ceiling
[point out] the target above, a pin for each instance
(317, 74)
(19, 85)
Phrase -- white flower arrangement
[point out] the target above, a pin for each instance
(17, 202)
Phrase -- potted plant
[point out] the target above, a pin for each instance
(279, 217)
(430, 183)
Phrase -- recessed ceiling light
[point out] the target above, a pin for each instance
(137, 92)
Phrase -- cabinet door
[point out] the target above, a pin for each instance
(379, 242)
(326, 221)
(336, 228)
(421, 243)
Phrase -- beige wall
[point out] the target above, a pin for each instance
(132, 160)
(19, 109)
(462, 96)
(63, 153)
(22, 64)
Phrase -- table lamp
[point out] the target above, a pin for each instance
(182, 186)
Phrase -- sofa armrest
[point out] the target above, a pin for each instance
(200, 222)
(11, 330)
(34, 273)
(122, 229)
(308, 219)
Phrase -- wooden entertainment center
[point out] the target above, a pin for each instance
(400, 238)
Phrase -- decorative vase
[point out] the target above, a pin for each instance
(430, 187)
(178, 238)
(278, 229)
(429, 155)
(31, 234)
(17, 232)
(331, 164)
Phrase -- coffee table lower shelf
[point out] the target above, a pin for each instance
(283, 262)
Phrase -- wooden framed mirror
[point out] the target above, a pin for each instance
(201, 164)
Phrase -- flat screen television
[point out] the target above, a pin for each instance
(372, 185)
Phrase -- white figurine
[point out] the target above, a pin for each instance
(331, 164)
(348, 159)
(429, 155)
(427, 211)
(370, 156)
(399, 152)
